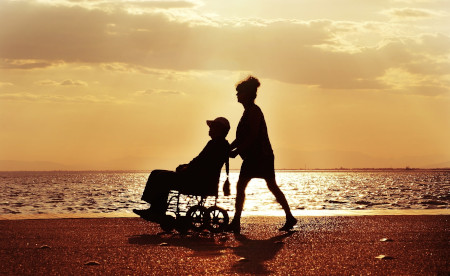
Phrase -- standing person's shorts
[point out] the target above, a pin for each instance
(260, 167)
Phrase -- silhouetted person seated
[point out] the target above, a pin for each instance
(198, 177)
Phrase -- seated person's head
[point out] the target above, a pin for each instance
(218, 128)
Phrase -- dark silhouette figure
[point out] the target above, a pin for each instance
(195, 177)
(253, 145)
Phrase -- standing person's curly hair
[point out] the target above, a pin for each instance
(249, 85)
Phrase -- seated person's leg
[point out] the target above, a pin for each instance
(157, 190)
(156, 183)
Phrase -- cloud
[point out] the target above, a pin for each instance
(5, 84)
(158, 92)
(73, 83)
(321, 53)
(148, 4)
(26, 64)
(411, 13)
(162, 4)
(62, 83)
(162, 74)
(45, 98)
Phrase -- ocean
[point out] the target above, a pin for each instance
(111, 192)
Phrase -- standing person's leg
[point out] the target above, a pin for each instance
(273, 187)
(235, 225)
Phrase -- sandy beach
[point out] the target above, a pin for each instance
(333, 245)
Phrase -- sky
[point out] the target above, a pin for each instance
(103, 84)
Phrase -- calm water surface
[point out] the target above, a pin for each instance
(107, 192)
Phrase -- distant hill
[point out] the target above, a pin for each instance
(13, 165)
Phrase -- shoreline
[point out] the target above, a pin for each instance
(408, 169)
(278, 213)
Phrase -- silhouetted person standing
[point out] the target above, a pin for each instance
(253, 145)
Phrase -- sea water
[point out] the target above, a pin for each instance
(111, 192)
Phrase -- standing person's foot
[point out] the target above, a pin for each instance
(233, 227)
(290, 222)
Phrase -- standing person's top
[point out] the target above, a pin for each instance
(252, 139)
(253, 144)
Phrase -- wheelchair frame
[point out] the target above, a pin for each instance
(195, 217)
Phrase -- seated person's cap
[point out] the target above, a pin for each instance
(219, 121)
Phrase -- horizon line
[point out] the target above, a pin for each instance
(284, 169)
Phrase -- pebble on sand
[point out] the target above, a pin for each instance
(92, 263)
(384, 257)
(164, 244)
(45, 247)
(386, 240)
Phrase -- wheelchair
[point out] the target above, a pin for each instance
(193, 210)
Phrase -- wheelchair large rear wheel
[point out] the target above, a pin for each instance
(197, 217)
(217, 219)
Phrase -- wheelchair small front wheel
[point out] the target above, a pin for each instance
(217, 219)
(197, 217)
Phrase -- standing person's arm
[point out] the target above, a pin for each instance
(233, 149)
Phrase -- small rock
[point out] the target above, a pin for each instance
(45, 247)
(92, 263)
(386, 240)
(384, 257)
(164, 244)
(243, 260)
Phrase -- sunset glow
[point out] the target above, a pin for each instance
(106, 84)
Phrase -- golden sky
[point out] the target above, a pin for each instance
(103, 84)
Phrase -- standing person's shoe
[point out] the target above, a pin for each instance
(233, 227)
(290, 222)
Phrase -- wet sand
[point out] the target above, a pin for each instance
(321, 245)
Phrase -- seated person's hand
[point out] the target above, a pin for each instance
(181, 168)
(233, 153)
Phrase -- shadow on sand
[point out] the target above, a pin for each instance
(200, 244)
(252, 253)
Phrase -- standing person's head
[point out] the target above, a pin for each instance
(246, 90)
